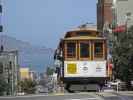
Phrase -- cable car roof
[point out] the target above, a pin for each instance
(85, 38)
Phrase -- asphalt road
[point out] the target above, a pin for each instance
(76, 96)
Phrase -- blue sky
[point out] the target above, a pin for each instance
(44, 22)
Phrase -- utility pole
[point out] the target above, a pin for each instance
(1, 27)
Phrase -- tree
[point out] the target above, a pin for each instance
(28, 86)
(3, 85)
(123, 56)
(49, 71)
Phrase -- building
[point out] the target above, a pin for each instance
(124, 10)
(10, 70)
(33, 75)
(104, 14)
(26, 73)
(105, 21)
(1, 27)
(112, 13)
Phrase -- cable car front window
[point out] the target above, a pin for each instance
(98, 50)
(84, 50)
(71, 50)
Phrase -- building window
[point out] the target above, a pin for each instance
(71, 50)
(84, 50)
(1, 28)
(0, 8)
(98, 50)
(1, 67)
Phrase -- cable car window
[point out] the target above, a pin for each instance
(98, 50)
(84, 50)
(71, 50)
(83, 33)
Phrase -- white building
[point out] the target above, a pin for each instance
(124, 10)
(10, 70)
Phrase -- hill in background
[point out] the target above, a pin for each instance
(35, 57)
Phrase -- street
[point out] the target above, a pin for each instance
(76, 96)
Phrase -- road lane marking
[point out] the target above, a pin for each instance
(98, 97)
(59, 94)
(106, 94)
(83, 99)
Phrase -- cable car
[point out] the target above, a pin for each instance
(82, 60)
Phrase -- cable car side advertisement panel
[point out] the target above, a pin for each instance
(85, 69)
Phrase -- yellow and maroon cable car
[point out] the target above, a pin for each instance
(82, 56)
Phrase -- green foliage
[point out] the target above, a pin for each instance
(28, 86)
(123, 56)
(3, 86)
(49, 71)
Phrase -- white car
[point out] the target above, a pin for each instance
(20, 93)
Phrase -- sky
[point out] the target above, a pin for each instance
(44, 22)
